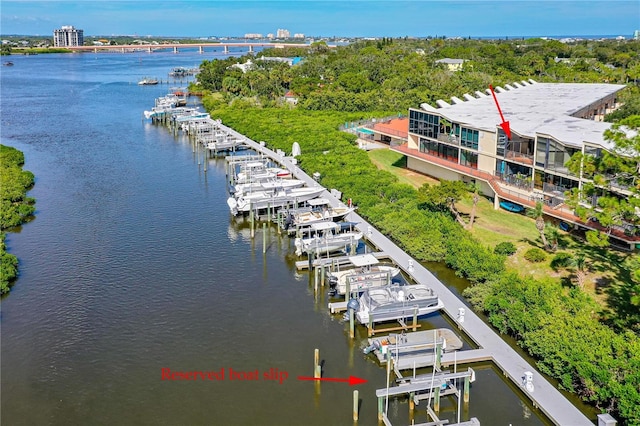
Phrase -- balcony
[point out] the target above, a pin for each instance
(519, 157)
(518, 180)
(451, 139)
(555, 190)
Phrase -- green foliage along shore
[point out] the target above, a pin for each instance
(561, 327)
(15, 207)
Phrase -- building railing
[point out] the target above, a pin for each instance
(556, 190)
(519, 157)
(452, 139)
(517, 180)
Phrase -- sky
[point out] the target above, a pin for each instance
(346, 18)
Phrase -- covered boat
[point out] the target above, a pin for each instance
(262, 200)
(395, 302)
(327, 237)
(366, 272)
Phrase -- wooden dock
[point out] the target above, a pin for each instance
(492, 347)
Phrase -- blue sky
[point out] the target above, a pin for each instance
(419, 18)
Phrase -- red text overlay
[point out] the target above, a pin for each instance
(228, 374)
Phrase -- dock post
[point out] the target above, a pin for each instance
(412, 403)
(322, 274)
(279, 222)
(264, 238)
(251, 219)
(316, 277)
(436, 400)
(352, 333)
(380, 408)
(438, 356)
(317, 369)
(370, 326)
(355, 405)
(466, 389)
(206, 151)
(415, 319)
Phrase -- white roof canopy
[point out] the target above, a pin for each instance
(363, 260)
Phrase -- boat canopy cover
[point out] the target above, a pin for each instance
(322, 226)
(318, 202)
(254, 165)
(363, 260)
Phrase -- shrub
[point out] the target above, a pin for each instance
(561, 260)
(506, 248)
(535, 255)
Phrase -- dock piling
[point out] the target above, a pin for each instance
(352, 333)
(264, 238)
(355, 405)
(317, 368)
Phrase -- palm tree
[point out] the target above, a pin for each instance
(475, 189)
(537, 213)
(553, 234)
(579, 265)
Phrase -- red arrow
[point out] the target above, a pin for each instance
(351, 380)
(504, 124)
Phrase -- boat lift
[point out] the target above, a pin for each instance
(427, 387)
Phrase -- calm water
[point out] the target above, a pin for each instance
(133, 264)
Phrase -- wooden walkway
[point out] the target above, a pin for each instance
(491, 346)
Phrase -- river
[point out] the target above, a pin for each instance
(134, 264)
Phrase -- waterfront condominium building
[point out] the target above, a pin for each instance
(549, 122)
(68, 36)
(282, 33)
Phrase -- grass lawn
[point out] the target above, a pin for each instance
(396, 163)
(493, 226)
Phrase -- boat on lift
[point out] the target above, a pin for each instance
(327, 237)
(394, 302)
(365, 272)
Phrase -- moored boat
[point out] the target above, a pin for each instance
(366, 272)
(327, 237)
(395, 302)
(320, 210)
(262, 200)
(148, 81)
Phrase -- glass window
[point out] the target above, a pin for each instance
(541, 152)
(469, 159)
(469, 138)
(424, 124)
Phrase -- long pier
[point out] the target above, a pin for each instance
(176, 47)
(491, 346)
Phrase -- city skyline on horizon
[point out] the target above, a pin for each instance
(328, 18)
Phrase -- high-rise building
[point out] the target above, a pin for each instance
(636, 35)
(281, 33)
(68, 36)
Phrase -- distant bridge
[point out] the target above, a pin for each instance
(176, 47)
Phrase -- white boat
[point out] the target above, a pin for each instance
(148, 81)
(320, 210)
(162, 110)
(271, 184)
(395, 302)
(192, 115)
(366, 272)
(262, 200)
(327, 238)
(255, 171)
